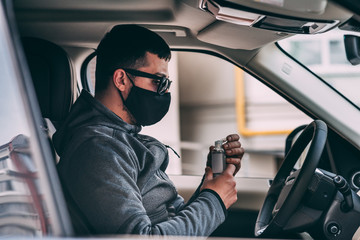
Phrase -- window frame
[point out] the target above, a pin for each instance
(42, 156)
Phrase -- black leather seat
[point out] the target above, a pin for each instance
(52, 75)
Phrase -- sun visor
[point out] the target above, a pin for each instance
(237, 37)
(232, 12)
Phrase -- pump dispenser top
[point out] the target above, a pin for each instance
(218, 144)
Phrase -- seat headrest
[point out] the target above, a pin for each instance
(51, 72)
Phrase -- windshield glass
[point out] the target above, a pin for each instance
(324, 54)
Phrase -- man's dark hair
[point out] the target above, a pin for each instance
(125, 46)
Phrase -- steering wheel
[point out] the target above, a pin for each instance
(286, 192)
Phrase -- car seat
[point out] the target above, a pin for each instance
(52, 75)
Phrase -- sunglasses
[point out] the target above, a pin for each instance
(163, 82)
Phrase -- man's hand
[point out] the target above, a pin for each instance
(233, 150)
(224, 184)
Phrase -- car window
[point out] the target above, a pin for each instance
(21, 206)
(212, 98)
(325, 55)
(27, 206)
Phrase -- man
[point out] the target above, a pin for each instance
(113, 177)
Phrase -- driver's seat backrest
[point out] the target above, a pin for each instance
(52, 75)
(53, 79)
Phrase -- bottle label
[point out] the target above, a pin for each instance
(217, 162)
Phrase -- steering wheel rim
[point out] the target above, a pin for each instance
(269, 223)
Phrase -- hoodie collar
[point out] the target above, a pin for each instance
(115, 119)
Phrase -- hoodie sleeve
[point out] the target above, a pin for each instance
(102, 180)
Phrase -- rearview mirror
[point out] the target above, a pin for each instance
(352, 48)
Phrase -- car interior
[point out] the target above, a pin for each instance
(54, 42)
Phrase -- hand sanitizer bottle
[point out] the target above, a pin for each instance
(218, 159)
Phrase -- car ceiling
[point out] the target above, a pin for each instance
(182, 23)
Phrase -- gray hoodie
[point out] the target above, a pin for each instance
(114, 179)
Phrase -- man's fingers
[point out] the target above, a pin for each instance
(230, 169)
(236, 162)
(208, 173)
(235, 152)
(208, 162)
(230, 145)
(232, 137)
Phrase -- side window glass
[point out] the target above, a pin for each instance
(24, 185)
(212, 98)
(22, 207)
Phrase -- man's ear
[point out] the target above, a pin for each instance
(119, 79)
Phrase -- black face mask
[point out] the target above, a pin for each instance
(146, 106)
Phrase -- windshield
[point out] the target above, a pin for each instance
(324, 54)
